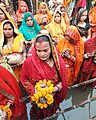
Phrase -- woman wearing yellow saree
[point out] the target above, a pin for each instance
(57, 26)
(4, 15)
(72, 51)
(12, 46)
(43, 17)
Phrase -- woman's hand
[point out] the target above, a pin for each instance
(66, 53)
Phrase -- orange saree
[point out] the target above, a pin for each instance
(76, 49)
(40, 17)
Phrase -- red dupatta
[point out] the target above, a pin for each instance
(9, 84)
(35, 69)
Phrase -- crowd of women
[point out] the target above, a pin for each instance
(47, 49)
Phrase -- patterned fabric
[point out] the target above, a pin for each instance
(75, 46)
(34, 69)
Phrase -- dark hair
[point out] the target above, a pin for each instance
(58, 13)
(3, 12)
(14, 34)
(80, 15)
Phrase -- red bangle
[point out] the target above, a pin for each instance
(58, 88)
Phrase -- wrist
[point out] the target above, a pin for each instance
(58, 88)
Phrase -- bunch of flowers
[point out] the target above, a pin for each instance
(7, 110)
(43, 94)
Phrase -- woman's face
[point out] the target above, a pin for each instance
(83, 16)
(23, 7)
(2, 16)
(68, 38)
(29, 21)
(57, 18)
(8, 30)
(43, 50)
(43, 9)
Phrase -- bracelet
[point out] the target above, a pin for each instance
(58, 88)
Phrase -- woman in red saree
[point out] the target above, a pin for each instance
(10, 94)
(88, 70)
(45, 63)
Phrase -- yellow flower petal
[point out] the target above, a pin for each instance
(40, 81)
(39, 94)
(48, 83)
(45, 105)
(45, 81)
(36, 96)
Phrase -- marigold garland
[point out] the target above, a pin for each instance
(7, 110)
(43, 96)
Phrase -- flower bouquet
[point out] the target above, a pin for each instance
(5, 112)
(43, 94)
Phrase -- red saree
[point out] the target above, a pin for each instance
(34, 70)
(88, 69)
(9, 84)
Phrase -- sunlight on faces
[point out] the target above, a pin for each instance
(23, 8)
(29, 21)
(43, 9)
(57, 17)
(2, 16)
(43, 50)
(8, 30)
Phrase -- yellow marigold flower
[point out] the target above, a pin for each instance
(52, 85)
(33, 98)
(44, 92)
(40, 81)
(45, 105)
(50, 101)
(36, 96)
(39, 94)
(48, 83)
(38, 104)
(45, 81)
(47, 96)
(41, 106)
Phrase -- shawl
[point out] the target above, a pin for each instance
(34, 69)
(66, 2)
(17, 40)
(56, 30)
(39, 16)
(8, 17)
(27, 31)
(9, 84)
(88, 65)
(19, 12)
(76, 49)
